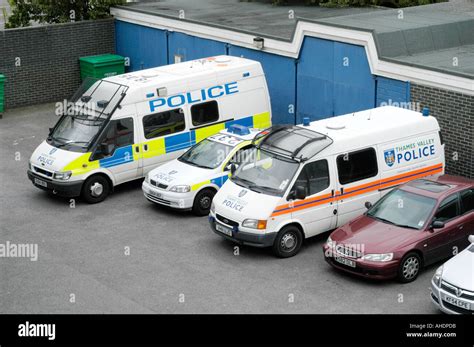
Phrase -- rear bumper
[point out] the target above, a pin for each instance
(378, 271)
(244, 238)
(66, 189)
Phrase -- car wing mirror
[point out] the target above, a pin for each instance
(232, 168)
(437, 224)
(471, 238)
(368, 204)
(300, 193)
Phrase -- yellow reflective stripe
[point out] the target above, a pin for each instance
(199, 185)
(204, 132)
(81, 165)
(155, 147)
(262, 120)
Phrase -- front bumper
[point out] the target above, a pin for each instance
(242, 237)
(363, 268)
(66, 188)
(183, 201)
(439, 297)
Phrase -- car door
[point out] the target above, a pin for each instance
(440, 242)
(316, 211)
(358, 182)
(116, 148)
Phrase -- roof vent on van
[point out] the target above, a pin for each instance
(222, 59)
(150, 75)
(335, 125)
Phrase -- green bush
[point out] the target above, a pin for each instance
(57, 11)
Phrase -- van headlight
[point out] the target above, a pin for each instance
(438, 276)
(378, 257)
(63, 176)
(181, 189)
(255, 224)
(213, 208)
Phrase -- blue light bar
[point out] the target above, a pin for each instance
(238, 129)
(425, 112)
(306, 121)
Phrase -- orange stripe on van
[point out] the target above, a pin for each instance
(357, 190)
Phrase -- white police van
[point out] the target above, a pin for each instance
(303, 180)
(119, 128)
(192, 180)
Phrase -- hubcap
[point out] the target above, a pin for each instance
(205, 202)
(288, 242)
(97, 189)
(410, 268)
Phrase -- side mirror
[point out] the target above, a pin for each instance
(50, 130)
(105, 149)
(368, 204)
(300, 193)
(471, 238)
(233, 168)
(437, 224)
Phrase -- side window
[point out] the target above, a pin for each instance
(357, 166)
(241, 155)
(467, 201)
(448, 209)
(119, 133)
(204, 113)
(314, 177)
(163, 123)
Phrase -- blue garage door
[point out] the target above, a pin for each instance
(145, 47)
(191, 47)
(333, 78)
(280, 74)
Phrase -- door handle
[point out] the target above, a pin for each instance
(342, 190)
(332, 192)
(137, 149)
(145, 147)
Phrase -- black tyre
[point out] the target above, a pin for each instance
(95, 189)
(288, 242)
(203, 201)
(409, 268)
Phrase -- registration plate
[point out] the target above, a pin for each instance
(345, 261)
(224, 230)
(457, 302)
(41, 182)
(155, 194)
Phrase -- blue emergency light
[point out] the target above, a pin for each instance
(425, 112)
(306, 121)
(238, 129)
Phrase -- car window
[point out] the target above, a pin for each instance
(467, 201)
(163, 123)
(357, 166)
(207, 112)
(241, 155)
(314, 177)
(448, 209)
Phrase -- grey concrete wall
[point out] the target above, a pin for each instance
(41, 63)
(455, 114)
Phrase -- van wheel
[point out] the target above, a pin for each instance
(409, 268)
(95, 189)
(202, 202)
(288, 242)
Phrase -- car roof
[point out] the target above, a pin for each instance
(438, 187)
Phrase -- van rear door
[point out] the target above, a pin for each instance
(358, 182)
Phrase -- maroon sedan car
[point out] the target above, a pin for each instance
(414, 225)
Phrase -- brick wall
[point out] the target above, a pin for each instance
(48, 59)
(455, 114)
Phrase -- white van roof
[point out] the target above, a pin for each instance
(374, 126)
(195, 70)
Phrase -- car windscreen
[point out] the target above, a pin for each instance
(265, 172)
(403, 208)
(74, 134)
(206, 154)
